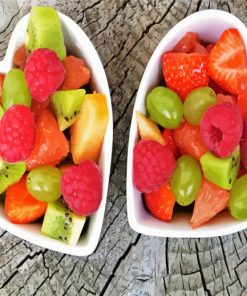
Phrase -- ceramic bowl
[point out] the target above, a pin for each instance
(208, 25)
(80, 45)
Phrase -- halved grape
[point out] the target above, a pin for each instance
(165, 107)
(43, 183)
(238, 199)
(197, 102)
(15, 90)
(186, 180)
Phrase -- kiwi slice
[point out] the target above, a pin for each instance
(221, 171)
(1, 111)
(67, 105)
(15, 89)
(45, 31)
(62, 224)
(10, 173)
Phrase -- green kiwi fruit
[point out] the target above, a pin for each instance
(1, 111)
(62, 224)
(221, 171)
(15, 89)
(45, 31)
(67, 105)
(10, 173)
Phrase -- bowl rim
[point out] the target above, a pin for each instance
(5, 65)
(130, 190)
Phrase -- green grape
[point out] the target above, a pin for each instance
(165, 107)
(15, 90)
(186, 180)
(43, 183)
(197, 102)
(238, 199)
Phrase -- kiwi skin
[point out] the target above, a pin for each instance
(62, 224)
(45, 31)
(67, 106)
(10, 173)
(221, 171)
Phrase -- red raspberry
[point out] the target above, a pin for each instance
(221, 128)
(17, 132)
(82, 187)
(44, 73)
(153, 165)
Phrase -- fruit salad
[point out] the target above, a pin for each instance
(192, 149)
(51, 132)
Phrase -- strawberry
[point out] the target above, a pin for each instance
(199, 48)
(210, 200)
(20, 206)
(161, 202)
(184, 72)
(227, 61)
(209, 47)
(189, 44)
(186, 44)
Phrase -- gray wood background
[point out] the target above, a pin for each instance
(125, 33)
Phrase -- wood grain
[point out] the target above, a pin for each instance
(125, 33)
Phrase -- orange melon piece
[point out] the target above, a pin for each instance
(87, 133)
(148, 130)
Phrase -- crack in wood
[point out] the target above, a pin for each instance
(142, 24)
(117, 265)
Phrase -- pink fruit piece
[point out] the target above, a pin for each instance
(221, 128)
(225, 99)
(17, 132)
(81, 187)
(44, 73)
(153, 165)
(243, 145)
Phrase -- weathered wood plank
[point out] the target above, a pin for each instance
(125, 33)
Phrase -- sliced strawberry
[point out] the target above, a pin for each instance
(217, 89)
(189, 44)
(170, 143)
(242, 104)
(210, 200)
(186, 44)
(184, 72)
(199, 48)
(209, 48)
(227, 61)
(20, 206)
(161, 202)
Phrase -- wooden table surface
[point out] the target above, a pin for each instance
(125, 33)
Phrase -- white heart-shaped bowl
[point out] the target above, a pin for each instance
(208, 25)
(80, 45)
